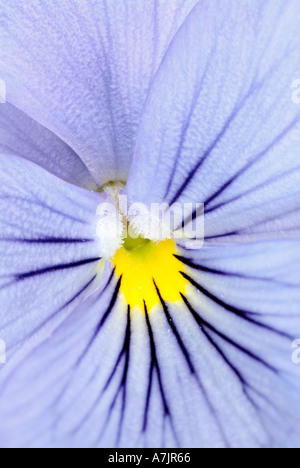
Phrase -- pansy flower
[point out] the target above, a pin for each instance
(139, 341)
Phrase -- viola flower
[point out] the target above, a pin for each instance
(145, 342)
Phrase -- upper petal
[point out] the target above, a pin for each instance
(22, 136)
(82, 69)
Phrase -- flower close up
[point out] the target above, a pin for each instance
(150, 223)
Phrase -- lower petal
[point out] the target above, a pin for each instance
(212, 371)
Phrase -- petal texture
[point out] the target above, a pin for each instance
(213, 371)
(216, 369)
(226, 131)
(48, 250)
(86, 79)
(22, 136)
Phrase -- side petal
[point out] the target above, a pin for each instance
(226, 131)
(49, 253)
(245, 300)
(86, 79)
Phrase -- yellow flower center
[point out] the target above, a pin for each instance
(144, 266)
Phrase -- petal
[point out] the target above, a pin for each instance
(52, 409)
(22, 136)
(226, 131)
(215, 371)
(247, 307)
(49, 255)
(86, 79)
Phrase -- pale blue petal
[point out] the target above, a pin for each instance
(22, 136)
(247, 306)
(49, 253)
(220, 125)
(82, 69)
(217, 372)
(57, 407)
